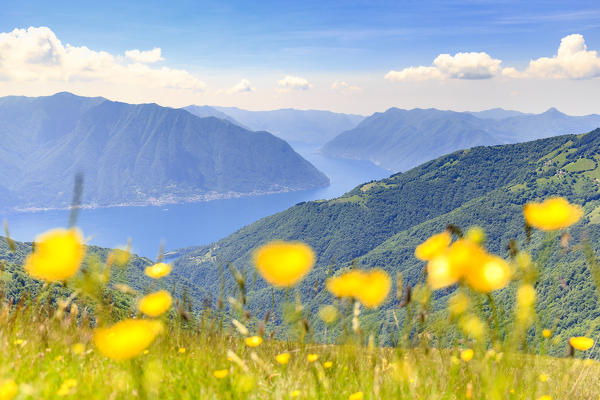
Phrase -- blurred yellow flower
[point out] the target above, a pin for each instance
(253, 341)
(433, 246)
(492, 275)
(18, 342)
(552, 214)
(467, 355)
(127, 338)
(347, 284)
(371, 287)
(282, 263)
(282, 358)
(294, 393)
(327, 364)
(526, 295)
(581, 343)
(158, 270)
(66, 387)
(543, 378)
(57, 255)
(156, 303)
(312, 357)
(375, 288)
(8, 389)
(221, 373)
(356, 396)
(545, 397)
(181, 350)
(546, 333)
(476, 235)
(473, 326)
(460, 259)
(78, 348)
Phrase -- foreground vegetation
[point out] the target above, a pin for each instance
(84, 332)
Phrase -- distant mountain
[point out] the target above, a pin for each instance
(208, 111)
(306, 126)
(496, 113)
(379, 224)
(136, 154)
(401, 139)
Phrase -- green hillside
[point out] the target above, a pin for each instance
(17, 285)
(380, 223)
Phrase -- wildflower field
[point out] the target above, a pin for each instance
(75, 338)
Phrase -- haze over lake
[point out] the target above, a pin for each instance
(193, 223)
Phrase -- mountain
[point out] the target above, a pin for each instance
(496, 113)
(305, 126)
(136, 154)
(208, 111)
(379, 224)
(401, 139)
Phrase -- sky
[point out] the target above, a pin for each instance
(347, 56)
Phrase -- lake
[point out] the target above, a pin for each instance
(192, 224)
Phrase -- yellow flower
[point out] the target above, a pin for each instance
(552, 214)
(66, 387)
(476, 235)
(356, 396)
(327, 364)
(158, 270)
(312, 357)
(181, 350)
(156, 303)
(57, 255)
(294, 393)
(346, 285)
(18, 342)
(581, 343)
(221, 373)
(253, 341)
(543, 378)
(127, 338)
(467, 355)
(78, 348)
(526, 295)
(284, 264)
(473, 326)
(462, 257)
(433, 246)
(282, 358)
(546, 333)
(371, 288)
(375, 288)
(545, 397)
(119, 256)
(492, 275)
(8, 389)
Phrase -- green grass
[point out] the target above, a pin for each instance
(582, 164)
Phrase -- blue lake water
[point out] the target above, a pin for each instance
(195, 223)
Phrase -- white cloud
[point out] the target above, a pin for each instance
(471, 65)
(37, 55)
(573, 60)
(243, 86)
(293, 83)
(344, 87)
(145, 57)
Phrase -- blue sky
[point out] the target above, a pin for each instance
(356, 42)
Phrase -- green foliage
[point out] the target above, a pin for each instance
(380, 224)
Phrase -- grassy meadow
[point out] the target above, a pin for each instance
(77, 342)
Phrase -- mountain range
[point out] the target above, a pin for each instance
(402, 139)
(135, 154)
(303, 126)
(379, 224)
